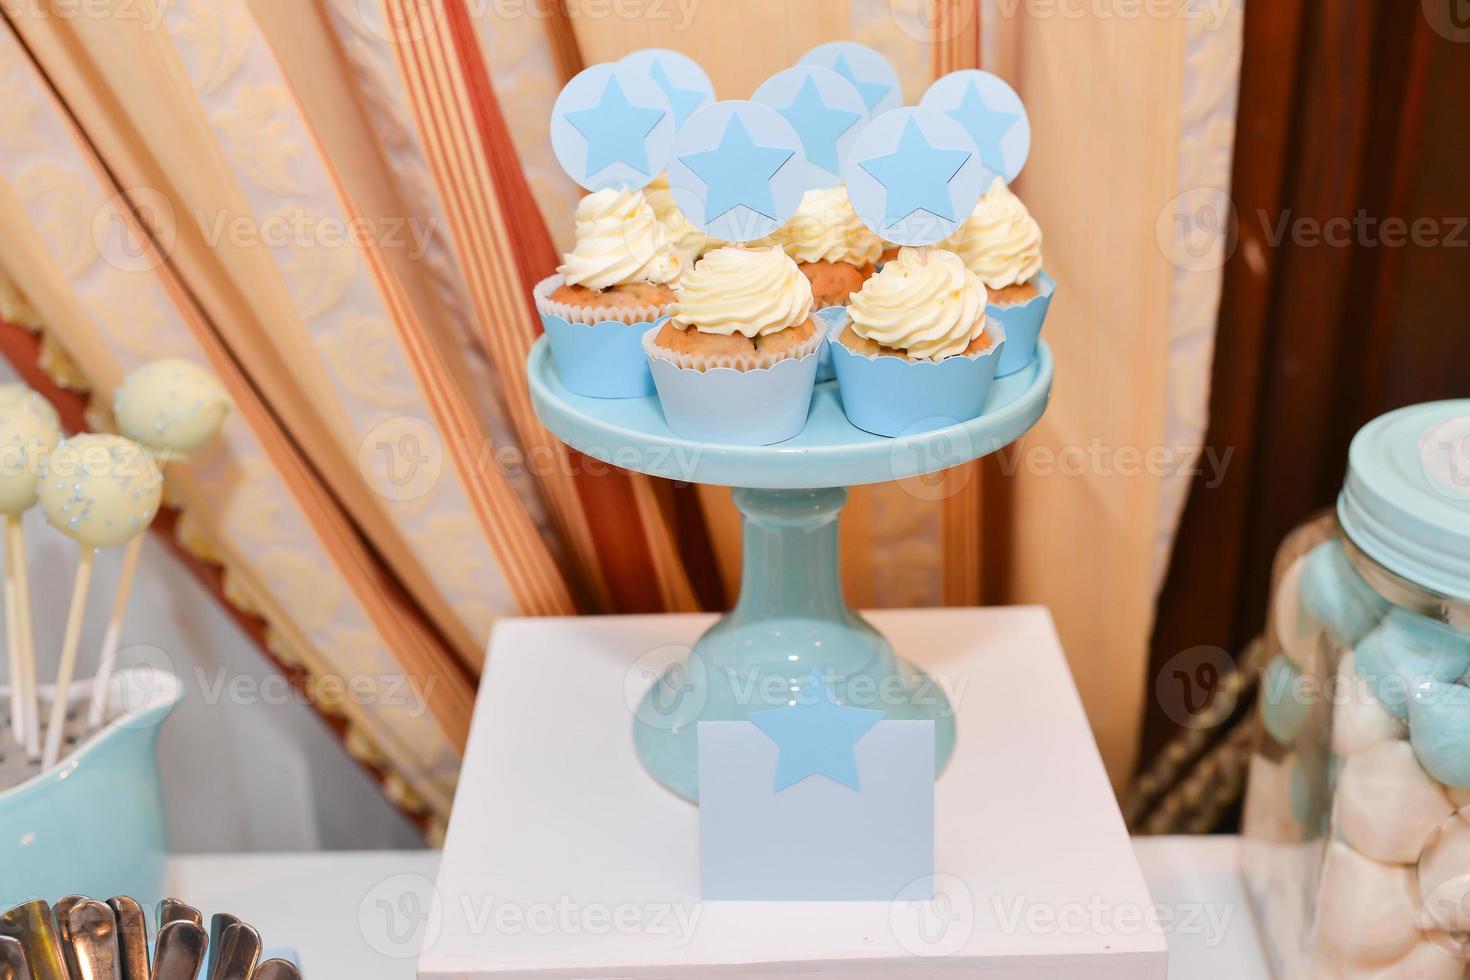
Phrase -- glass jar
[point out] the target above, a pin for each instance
(1356, 850)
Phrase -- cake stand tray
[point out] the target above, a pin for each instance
(791, 617)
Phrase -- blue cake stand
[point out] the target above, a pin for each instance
(791, 616)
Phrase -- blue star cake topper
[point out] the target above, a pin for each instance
(864, 69)
(826, 112)
(612, 126)
(914, 176)
(991, 112)
(736, 170)
(683, 82)
(816, 735)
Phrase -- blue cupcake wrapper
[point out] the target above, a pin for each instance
(600, 360)
(1022, 324)
(892, 396)
(736, 408)
(828, 318)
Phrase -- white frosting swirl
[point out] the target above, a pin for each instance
(1000, 241)
(690, 242)
(749, 291)
(825, 228)
(925, 303)
(619, 241)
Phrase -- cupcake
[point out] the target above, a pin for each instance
(736, 360)
(1001, 243)
(615, 285)
(689, 241)
(918, 351)
(832, 247)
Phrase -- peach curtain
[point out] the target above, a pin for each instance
(341, 205)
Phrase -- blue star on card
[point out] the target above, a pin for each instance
(616, 131)
(816, 735)
(737, 172)
(985, 125)
(916, 176)
(870, 91)
(684, 100)
(819, 125)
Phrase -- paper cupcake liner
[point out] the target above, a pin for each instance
(1022, 324)
(631, 315)
(893, 396)
(757, 407)
(827, 319)
(753, 361)
(599, 358)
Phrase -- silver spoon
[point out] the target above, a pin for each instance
(218, 923)
(132, 937)
(277, 970)
(32, 924)
(173, 910)
(13, 960)
(238, 954)
(91, 933)
(180, 951)
(61, 910)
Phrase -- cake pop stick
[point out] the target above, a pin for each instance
(173, 407)
(101, 491)
(29, 430)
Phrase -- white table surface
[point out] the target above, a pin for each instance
(327, 906)
(554, 812)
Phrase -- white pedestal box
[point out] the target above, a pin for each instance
(564, 859)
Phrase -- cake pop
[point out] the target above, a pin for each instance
(101, 491)
(29, 430)
(173, 407)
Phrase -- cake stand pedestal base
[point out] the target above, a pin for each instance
(790, 620)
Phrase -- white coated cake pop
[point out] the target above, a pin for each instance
(29, 430)
(1387, 807)
(172, 406)
(1368, 911)
(101, 490)
(1358, 720)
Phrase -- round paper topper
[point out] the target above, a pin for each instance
(914, 176)
(991, 112)
(867, 70)
(826, 112)
(612, 126)
(683, 82)
(737, 170)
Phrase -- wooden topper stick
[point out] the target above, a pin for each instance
(55, 728)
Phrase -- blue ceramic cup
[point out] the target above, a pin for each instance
(94, 825)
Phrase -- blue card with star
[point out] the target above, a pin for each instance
(865, 69)
(612, 126)
(683, 81)
(737, 170)
(816, 801)
(914, 176)
(991, 112)
(826, 112)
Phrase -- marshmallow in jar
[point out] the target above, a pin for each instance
(100, 490)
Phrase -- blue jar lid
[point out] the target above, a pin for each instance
(1406, 500)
